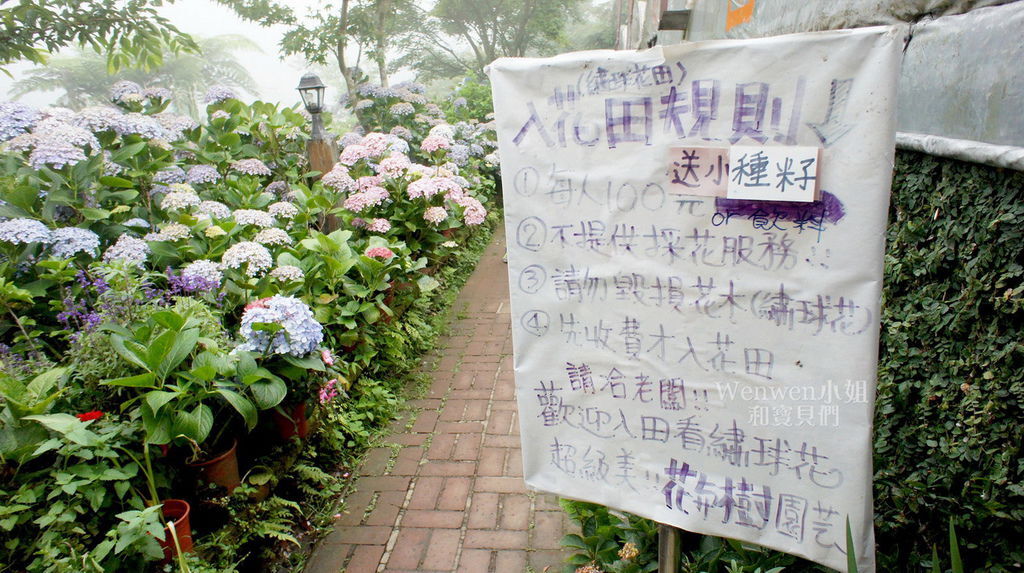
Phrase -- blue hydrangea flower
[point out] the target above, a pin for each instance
(168, 175)
(402, 109)
(217, 94)
(156, 93)
(131, 250)
(69, 241)
(97, 118)
(16, 119)
(198, 174)
(142, 125)
(123, 90)
(176, 125)
(23, 231)
(55, 153)
(459, 154)
(299, 335)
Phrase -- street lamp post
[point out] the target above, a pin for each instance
(320, 149)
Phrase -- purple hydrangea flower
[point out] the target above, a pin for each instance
(251, 167)
(157, 93)
(402, 109)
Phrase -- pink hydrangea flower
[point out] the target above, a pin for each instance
(339, 179)
(364, 183)
(378, 225)
(325, 355)
(376, 143)
(372, 197)
(473, 212)
(432, 143)
(394, 165)
(354, 153)
(435, 215)
(379, 253)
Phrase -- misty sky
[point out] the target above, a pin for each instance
(276, 79)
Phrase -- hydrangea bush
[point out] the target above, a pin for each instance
(116, 219)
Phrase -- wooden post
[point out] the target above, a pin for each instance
(322, 153)
(669, 548)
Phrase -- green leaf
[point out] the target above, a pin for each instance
(241, 405)
(146, 380)
(268, 393)
(851, 553)
(311, 362)
(44, 382)
(111, 181)
(427, 283)
(156, 399)
(184, 344)
(130, 350)
(573, 540)
(60, 423)
(94, 214)
(954, 549)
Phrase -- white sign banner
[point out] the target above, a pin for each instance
(703, 359)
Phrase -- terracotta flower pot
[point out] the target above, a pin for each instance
(294, 423)
(176, 512)
(221, 470)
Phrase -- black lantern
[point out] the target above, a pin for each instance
(312, 91)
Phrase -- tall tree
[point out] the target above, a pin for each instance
(370, 27)
(129, 32)
(496, 28)
(85, 81)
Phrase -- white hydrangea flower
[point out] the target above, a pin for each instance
(272, 236)
(261, 219)
(256, 258)
(287, 273)
(128, 249)
(180, 200)
(283, 210)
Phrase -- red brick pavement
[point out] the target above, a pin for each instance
(444, 491)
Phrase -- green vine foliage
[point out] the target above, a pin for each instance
(949, 422)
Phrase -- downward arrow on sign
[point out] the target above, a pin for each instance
(834, 128)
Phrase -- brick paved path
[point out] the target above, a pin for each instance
(445, 492)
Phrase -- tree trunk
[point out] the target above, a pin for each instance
(380, 52)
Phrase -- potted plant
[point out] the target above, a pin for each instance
(190, 387)
(284, 337)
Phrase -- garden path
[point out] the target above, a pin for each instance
(444, 491)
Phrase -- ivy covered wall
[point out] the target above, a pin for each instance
(949, 423)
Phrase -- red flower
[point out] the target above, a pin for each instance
(89, 416)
